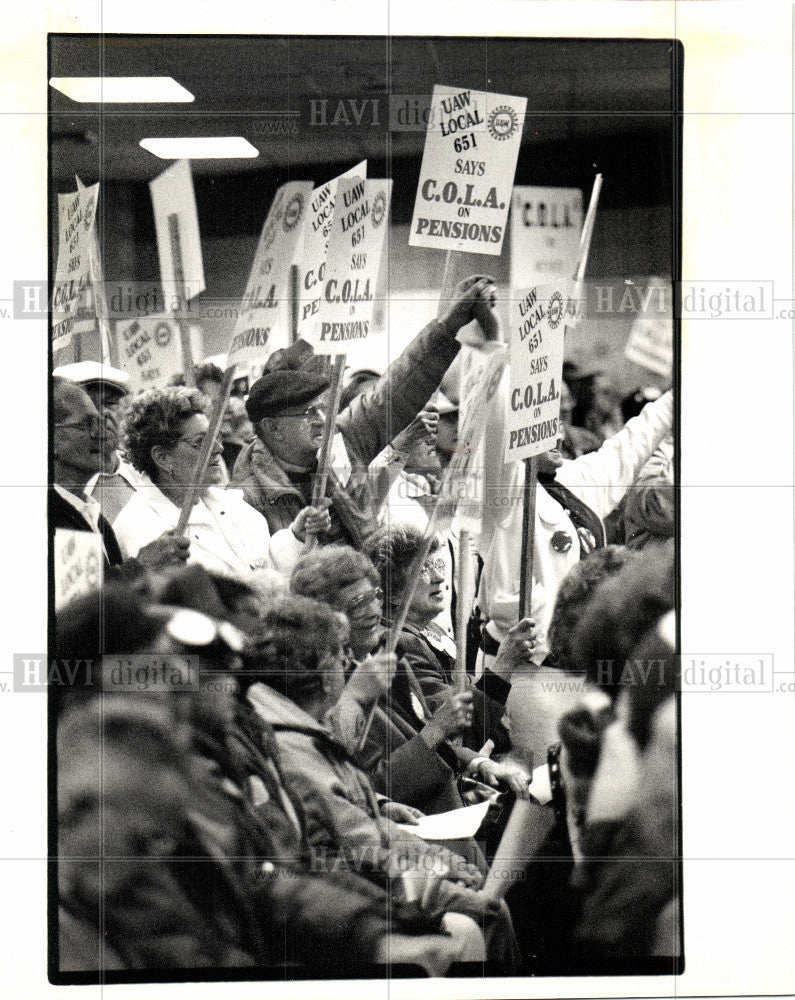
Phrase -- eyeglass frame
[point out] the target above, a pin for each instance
(314, 409)
(91, 424)
(375, 594)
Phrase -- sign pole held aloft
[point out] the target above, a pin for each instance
(179, 288)
(528, 535)
(216, 416)
(329, 430)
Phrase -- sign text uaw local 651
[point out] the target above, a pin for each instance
(468, 167)
(536, 343)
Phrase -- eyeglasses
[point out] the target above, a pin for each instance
(309, 413)
(196, 443)
(90, 425)
(376, 594)
(433, 567)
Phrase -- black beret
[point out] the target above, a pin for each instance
(280, 390)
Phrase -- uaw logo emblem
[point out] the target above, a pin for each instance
(162, 334)
(502, 122)
(293, 212)
(556, 310)
(379, 209)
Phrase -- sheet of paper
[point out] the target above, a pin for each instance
(453, 825)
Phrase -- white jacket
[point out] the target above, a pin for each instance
(599, 479)
(226, 534)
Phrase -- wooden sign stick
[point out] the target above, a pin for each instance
(180, 313)
(194, 490)
(528, 535)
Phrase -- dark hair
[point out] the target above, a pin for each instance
(359, 381)
(392, 549)
(634, 401)
(155, 418)
(290, 646)
(575, 592)
(653, 684)
(324, 572)
(208, 372)
(619, 615)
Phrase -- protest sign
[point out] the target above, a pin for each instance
(312, 254)
(263, 324)
(77, 559)
(536, 343)
(545, 234)
(467, 172)
(177, 227)
(353, 260)
(650, 342)
(76, 214)
(149, 350)
(470, 435)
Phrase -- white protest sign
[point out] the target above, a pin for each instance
(468, 166)
(536, 331)
(149, 350)
(316, 233)
(177, 227)
(353, 260)
(546, 223)
(263, 323)
(650, 342)
(77, 559)
(76, 214)
(461, 489)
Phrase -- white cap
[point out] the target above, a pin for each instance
(88, 372)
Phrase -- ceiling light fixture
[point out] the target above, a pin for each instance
(201, 148)
(122, 89)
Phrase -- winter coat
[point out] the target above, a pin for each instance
(365, 426)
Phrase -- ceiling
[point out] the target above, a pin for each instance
(271, 89)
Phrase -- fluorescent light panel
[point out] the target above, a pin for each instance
(201, 148)
(122, 89)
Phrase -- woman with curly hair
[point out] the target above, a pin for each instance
(165, 430)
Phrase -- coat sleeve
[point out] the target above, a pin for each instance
(380, 413)
(601, 478)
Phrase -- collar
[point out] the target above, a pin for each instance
(278, 711)
(86, 506)
(213, 499)
(123, 469)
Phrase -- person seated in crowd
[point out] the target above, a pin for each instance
(650, 506)
(77, 453)
(572, 498)
(431, 655)
(165, 429)
(195, 872)
(209, 379)
(107, 389)
(408, 751)
(296, 677)
(287, 408)
(628, 880)
(236, 430)
(576, 440)
(595, 403)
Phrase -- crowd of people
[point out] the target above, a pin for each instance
(273, 700)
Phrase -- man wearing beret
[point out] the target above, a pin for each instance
(287, 408)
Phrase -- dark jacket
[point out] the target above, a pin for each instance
(434, 669)
(367, 425)
(63, 515)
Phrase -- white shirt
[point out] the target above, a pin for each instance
(226, 534)
(85, 505)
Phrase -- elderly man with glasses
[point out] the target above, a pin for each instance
(77, 452)
(287, 406)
